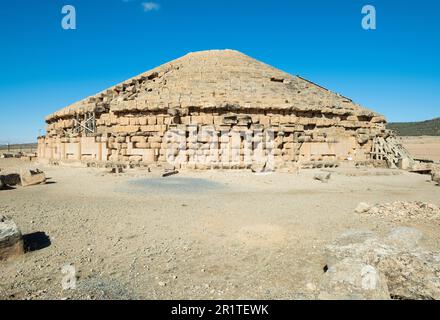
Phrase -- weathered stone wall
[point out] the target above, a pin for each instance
(144, 138)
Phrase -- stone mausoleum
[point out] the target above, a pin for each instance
(220, 107)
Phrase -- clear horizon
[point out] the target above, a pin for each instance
(393, 70)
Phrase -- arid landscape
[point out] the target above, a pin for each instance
(423, 147)
(149, 151)
(203, 234)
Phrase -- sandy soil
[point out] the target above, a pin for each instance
(196, 235)
(423, 147)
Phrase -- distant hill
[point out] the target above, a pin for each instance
(423, 128)
(24, 147)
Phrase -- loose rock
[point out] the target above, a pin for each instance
(31, 178)
(362, 207)
(323, 177)
(11, 241)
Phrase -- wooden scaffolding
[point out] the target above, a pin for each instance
(391, 150)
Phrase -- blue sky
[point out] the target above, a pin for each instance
(394, 70)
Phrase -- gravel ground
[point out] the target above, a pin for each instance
(195, 235)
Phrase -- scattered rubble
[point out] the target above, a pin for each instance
(11, 241)
(117, 170)
(359, 264)
(362, 207)
(401, 210)
(30, 156)
(323, 177)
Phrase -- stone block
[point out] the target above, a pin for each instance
(11, 241)
(123, 121)
(142, 145)
(152, 120)
(31, 177)
(134, 121)
(160, 120)
(135, 158)
(138, 139)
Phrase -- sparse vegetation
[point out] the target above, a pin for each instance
(423, 128)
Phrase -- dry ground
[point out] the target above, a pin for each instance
(423, 147)
(209, 235)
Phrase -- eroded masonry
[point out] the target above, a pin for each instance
(235, 98)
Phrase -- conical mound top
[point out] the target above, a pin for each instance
(214, 79)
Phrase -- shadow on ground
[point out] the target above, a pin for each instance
(36, 241)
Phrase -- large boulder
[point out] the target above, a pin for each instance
(25, 178)
(410, 271)
(351, 279)
(404, 237)
(11, 240)
(362, 245)
(412, 275)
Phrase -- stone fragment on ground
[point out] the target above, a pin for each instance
(410, 272)
(31, 177)
(25, 178)
(435, 176)
(362, 207)
(323, 177)
(11, 241)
